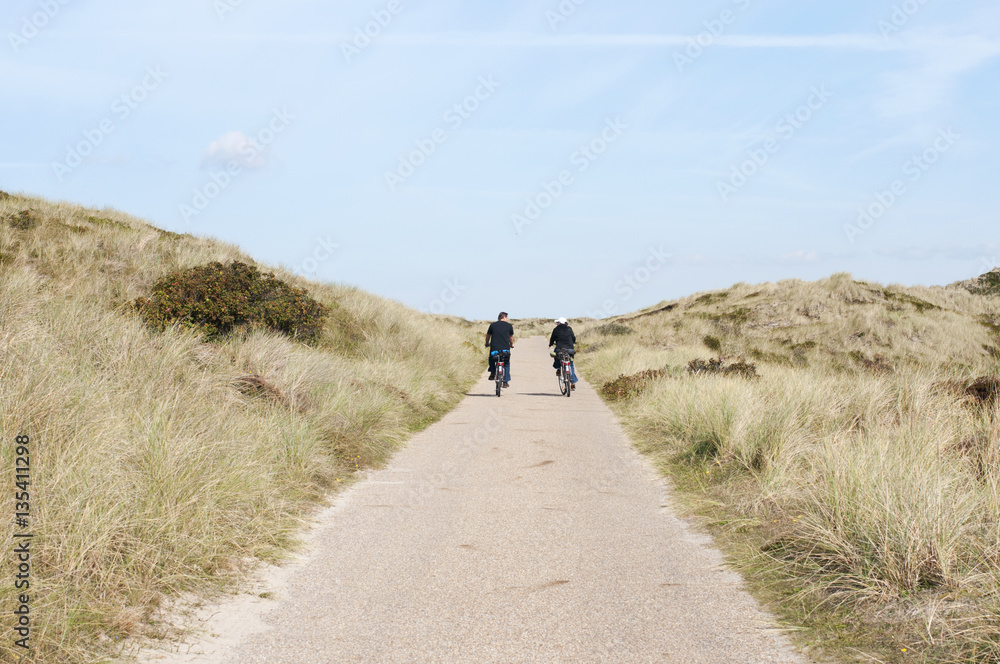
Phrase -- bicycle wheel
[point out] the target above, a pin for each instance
(499, 377)
(563, 386)
(568, 379)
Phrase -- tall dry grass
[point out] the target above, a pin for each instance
(871, 488)
(155, 469)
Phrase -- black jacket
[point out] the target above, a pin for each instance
(563, 337)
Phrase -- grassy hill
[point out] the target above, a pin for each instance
(842, 440)
(165, 462)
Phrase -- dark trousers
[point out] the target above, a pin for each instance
(572, 367)
(506, 368)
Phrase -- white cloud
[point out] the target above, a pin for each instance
(233, 146)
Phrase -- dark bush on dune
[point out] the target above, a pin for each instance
(877, 364)
(614, 330)
(629, 387)
(24, 220)
(989, 284)
(718, 366)
(217, 298)
(713, 343)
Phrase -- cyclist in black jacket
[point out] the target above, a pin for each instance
(499, 338)
(563, 339)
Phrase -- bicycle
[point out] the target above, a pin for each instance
(503, 356)
(565, 371)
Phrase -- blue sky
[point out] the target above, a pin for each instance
(543, 157)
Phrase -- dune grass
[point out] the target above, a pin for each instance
(164, 463)
(855, 483)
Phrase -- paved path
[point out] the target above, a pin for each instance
(518, 529)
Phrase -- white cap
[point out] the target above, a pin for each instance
(561, 321)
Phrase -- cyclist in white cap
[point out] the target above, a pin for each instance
(563, 339)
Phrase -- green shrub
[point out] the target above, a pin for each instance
(877, 364)
(736, 316)
(711, 298)
(719, 367)
(628, 387)
(742, 368)
(217, 298)
(712, 343)
(713, 365)
(24, 220)
(904, 298)
(988, 284)
(990, 323)
(103, 221)
(614, 330)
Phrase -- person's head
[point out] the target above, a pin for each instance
(562, 321)
(502, 316)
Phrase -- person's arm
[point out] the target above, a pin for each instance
(552, 337)
(573, 335)
(488, 337)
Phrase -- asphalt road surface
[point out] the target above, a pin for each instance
(517, 529)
